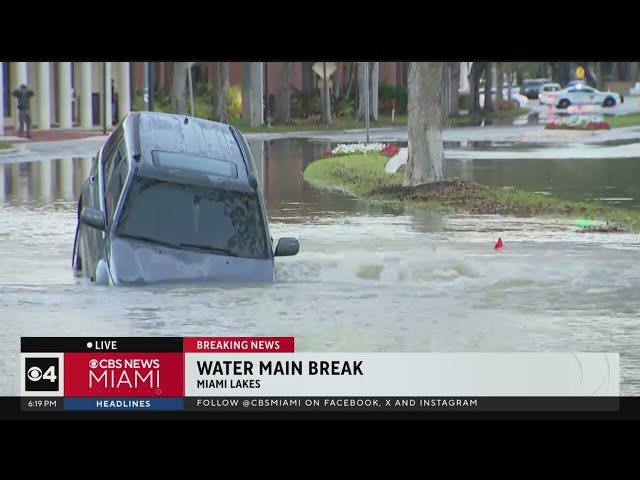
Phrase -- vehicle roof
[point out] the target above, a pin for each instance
(551, 84)
(149, 131)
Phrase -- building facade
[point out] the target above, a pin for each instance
(67, 94)
(83, 94)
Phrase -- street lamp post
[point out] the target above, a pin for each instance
(104, 98)
(367, 98)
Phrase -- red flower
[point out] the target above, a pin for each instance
(327, 153)
(390, 150)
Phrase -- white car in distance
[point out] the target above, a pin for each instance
(584, 95)
(521, 100)
(548, 93)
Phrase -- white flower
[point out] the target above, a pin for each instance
(360, 148)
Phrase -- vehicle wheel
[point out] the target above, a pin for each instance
(609, 102)
(564, 103)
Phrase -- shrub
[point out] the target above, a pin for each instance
(387, 93)
(464, 101)
(234, 102)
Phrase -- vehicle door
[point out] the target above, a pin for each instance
(590, 96)
(576, 97)
(92, 197)
(115, 179)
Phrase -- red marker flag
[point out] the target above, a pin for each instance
(498, 244)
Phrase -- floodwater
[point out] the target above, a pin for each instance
(367, 278)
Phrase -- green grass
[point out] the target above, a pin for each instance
(363, 176)
(469, 121)
(5, 145)
(630, 120)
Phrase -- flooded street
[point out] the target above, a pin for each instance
(367, 278)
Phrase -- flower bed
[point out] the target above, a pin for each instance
(388, 149)
(578, 124)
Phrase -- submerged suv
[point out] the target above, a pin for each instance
(174, 199)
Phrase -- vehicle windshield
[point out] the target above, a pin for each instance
(194, 217)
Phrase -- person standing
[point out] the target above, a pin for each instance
(23, 95)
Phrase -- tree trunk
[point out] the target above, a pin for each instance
(474, 87)
(375, 79)
(179, 88)
(167, 79)
(221, 83)
(635, 71)
(615, 76)
(488, 86)
(600, 75)
(399, 73)
(455, 88)
(283, 95)
(307, 78)
(499, 82)
(352, 77)
(337, 85)
(511, 77)
(362, 81)
(426, 152)
(256, 77)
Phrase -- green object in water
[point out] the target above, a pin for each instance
(586, 223)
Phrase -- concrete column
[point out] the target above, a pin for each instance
(43, 96)
(64, 94)
(20, 76)
(106, 102)
(65, 179)
(2, 102)
(124, 90)
(86, 106)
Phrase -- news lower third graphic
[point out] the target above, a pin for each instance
(267, 374)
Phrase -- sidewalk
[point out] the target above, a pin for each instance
(53, 135)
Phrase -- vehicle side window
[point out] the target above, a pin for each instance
(114, 182)
(246, 152)
(109, 151)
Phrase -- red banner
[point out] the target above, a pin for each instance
(239, 345)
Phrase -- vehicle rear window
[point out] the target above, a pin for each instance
(194, 163)
(191, 216)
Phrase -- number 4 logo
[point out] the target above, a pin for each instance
(41, 374)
